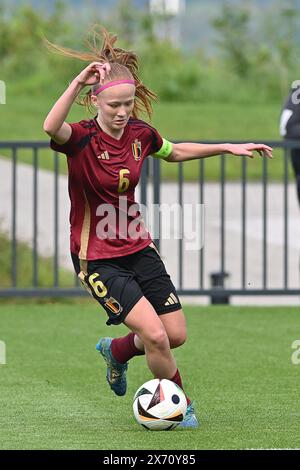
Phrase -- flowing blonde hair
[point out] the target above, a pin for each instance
(124, 65)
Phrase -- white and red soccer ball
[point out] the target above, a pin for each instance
(159, 405)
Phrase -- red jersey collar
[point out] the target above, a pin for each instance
(109, 137)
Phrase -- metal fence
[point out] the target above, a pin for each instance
(227, 204)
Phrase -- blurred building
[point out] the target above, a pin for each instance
(170, 13)
(167, 7)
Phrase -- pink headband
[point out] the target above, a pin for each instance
(113, 83)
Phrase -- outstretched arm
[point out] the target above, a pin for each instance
(183, 152)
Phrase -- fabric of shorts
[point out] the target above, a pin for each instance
(119, 283)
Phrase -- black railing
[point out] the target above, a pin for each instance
(211, 279)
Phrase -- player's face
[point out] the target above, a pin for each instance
(116, 105)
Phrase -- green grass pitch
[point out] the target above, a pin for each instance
(236, 365)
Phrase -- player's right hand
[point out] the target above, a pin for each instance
(93, 73)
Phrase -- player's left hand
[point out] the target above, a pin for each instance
(248, 149)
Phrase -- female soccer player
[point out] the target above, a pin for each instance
(112, 251)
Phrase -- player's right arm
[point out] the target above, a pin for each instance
(54, 124)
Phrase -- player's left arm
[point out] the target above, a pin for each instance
(183, 152)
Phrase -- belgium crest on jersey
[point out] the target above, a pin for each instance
(113, 305)
(137, 150)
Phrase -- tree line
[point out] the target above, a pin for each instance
(255, 60)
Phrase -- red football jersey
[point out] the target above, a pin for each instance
(103, 174)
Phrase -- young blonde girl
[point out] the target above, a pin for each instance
(122, 268)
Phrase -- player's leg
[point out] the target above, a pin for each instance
(144, 322)
(131, 345)
(158, 288)
(124, 348)
(175, 326)
(153, 332)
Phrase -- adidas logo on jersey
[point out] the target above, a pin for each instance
(172, 299)
(104, 155)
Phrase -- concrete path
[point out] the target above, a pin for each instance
(170, 248)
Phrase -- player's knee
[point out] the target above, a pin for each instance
(156, 339)
(177, 339)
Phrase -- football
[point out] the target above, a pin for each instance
(159, 405)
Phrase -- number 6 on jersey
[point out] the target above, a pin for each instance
(123, 181)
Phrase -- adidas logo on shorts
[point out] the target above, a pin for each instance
(172, 299)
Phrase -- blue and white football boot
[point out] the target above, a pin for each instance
(116, 372)
(190, 419)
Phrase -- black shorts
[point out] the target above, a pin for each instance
(119, 283)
